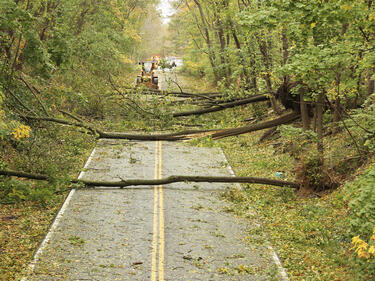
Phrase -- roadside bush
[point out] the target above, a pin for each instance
(362, 204)
(361, 197)
(364, 256)
(362, 125)
(312, 171)
(15, 191)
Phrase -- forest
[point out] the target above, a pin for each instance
(285, 88)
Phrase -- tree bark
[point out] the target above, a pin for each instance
(206, 37)
(168, 180)
(251, 128)
(267, 134)
(319, 125)
(183, 135)
(173, 179)
(11, 173)
(304, 112)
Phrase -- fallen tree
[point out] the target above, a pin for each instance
(285, 119)
(182, 135)
(181, 94)
(171, 179)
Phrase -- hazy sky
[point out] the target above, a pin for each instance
(166, 10)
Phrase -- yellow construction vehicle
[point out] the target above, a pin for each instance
(147, 76)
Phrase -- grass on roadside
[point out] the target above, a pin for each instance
(28, 208)
(308, 233)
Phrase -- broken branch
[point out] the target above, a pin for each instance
(168, 180)
(174, 179)
(287, 118)
(11, 173)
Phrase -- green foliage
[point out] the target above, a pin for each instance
(15, 191)
(362, 204)
(298, 141)
(309, 234)
(36, 54)
(361, 197)
(362, 125)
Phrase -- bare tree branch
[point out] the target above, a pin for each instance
(172, 179)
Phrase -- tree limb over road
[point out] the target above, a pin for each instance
(171, 179)
(182, 135)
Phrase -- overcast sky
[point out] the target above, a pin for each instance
(166, 10)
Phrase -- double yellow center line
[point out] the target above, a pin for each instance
(157, 270)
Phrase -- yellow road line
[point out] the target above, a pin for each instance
(155, 222)
(158, 227)
(161, 221)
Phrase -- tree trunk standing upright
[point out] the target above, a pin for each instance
(206, 36)
(370, 87)
(267, 60)
(263, 48)
(319, 125)
(336, 114)
(222, 44)
(254, 74)
(284, 40)
(304, 111)
(241, 59)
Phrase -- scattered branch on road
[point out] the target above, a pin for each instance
(172, 179)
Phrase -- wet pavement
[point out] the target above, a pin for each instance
(182, 231)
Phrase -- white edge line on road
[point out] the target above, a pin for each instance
(282, 272)
(228, 165)
(56, 221)
(50, 232)
(87, 163)
(275, 257)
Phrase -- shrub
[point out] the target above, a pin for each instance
(364, 256)
(15, 191)
(362, 204)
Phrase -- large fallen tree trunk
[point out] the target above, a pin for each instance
(222, 106)
(174, 179)
(183, 135)
(168, 180)
(285, 119)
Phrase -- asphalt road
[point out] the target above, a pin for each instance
(168, 79)
(183, 231)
